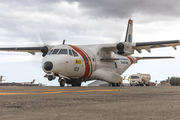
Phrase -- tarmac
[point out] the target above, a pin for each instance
(90, 103)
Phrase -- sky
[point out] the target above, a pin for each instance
(27, 23)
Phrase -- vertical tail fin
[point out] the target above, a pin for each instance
(129, 31)
(32, 81)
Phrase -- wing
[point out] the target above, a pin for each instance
(31, 50)
(150, 45)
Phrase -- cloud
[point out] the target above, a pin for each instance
(50, 22)
(126, 8)
(32, 23)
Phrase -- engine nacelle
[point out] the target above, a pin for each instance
(124, 48)
(45, 50)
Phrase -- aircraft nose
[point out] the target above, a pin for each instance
(48, 66)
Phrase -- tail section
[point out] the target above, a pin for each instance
(1, 78)
(32, 81)
(129, 31)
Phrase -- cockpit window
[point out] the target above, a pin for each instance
(75, 54)
(70, 53)
(55, 51)
(50, 52)
(63, 51)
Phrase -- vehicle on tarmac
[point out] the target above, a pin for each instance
(74, 64)
(139, 79)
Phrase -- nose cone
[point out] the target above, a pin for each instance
(48, 66)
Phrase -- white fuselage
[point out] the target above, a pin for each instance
(85, 64)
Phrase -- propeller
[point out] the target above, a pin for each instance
(44, 50)
(45, 47)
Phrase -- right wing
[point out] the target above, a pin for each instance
(31, 50)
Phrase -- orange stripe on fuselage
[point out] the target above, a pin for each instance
(87, 66)
(131, 59)
(88, 61)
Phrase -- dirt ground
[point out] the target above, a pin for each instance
(90, 103)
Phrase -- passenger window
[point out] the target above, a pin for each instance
(63, 51)
(50, 52)
(93, 59)
(75, 54)
(55, 51)
(70, 53)
(115, 65)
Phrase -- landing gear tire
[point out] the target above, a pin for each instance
(62, 83)
(117, 84)
(76, 85)
(73, 85)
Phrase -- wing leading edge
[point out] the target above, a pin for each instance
(31, 50)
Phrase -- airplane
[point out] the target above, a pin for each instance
(28, 83)
(74, 64)
(1, 79)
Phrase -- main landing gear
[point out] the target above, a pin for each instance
(73, 82)
(62, 82)
(76, 85)
(115, 84)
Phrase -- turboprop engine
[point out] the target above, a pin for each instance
(45, 50)
(124, 48)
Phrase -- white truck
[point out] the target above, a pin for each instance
(139, 79)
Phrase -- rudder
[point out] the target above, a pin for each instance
(129, 31)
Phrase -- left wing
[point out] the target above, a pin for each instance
(149, 45)
(126, 48)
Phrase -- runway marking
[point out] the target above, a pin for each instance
(47, 91)
(166, 87)
(36, 90)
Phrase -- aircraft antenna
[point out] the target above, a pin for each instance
(63, 42)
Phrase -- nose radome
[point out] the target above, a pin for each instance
(48, 66)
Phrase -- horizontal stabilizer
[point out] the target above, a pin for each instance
(165, 57)
(110, 59)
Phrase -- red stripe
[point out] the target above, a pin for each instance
(89, 61)
(87, 66)
(131, 59)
